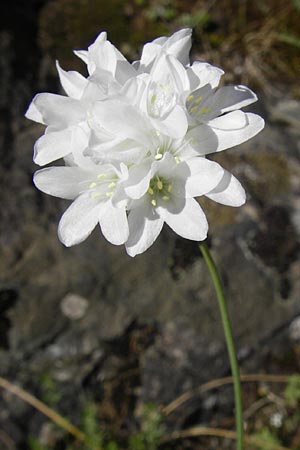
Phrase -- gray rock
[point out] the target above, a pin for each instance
(78, 340)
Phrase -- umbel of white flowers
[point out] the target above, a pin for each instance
(134, 139)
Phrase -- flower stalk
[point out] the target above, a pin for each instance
(229, 342)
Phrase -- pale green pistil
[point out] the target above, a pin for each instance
(159, 188)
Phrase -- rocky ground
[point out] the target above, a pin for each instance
(90, 323)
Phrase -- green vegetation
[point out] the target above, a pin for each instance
(283, 431)
(272, 424)
(147, 437)
(268, 439)
(292, 391)
(151, 431)
(50, 393)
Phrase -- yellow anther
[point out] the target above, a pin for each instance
(190, 98)
(203, 110)
(194, 108)
(159, 185)
(92, 185)
(169, 188)
(96, 195)
(153, 202)
(177, 159)
(153, 98)
(158, 156)
(150, 191)
(112, 184)
(109, 193)
(166, 197)
(101, 175)
(198, 99)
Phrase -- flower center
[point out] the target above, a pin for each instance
(104, 185)
(159, 188)
(193, 103)
(161, 99)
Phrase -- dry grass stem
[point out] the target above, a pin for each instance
(222, 433)
(44, 409)
(7, 440)
(214, 384)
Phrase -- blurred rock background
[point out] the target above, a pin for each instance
(88, 325)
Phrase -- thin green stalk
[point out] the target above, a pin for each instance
(229, 342)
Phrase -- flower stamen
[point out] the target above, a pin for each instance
(159, 188)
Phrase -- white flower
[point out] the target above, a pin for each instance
(103, 57)
(134, 138)
(95, 189)
(178, 45)
(67, 117)
(166, 194)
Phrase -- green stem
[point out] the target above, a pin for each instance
(229, 342)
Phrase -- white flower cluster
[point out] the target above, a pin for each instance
(134, 139)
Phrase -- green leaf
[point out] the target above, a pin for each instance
(292, 390)
(290, 39)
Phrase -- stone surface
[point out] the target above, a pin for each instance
(157, 313)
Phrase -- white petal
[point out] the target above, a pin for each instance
(114, 224)
(124, 71)
(229, 98)
(134, 89)
(149, 53)
(122, 120)
(189, 223)
(229, 191)
(204, 176)
(166, 166)
(168, 71)
(33, 113)
(100, 38)
(174, 125)
(202, 74)
(160, 40)
(82, 54)
(124, 150)
(63, 182)
(201, 98)
(209, 139)
(72, 82)
(138, 180)
(179, 45)
(79, 220)
(144, 228)
(213, 104)
(59, 111)
(102, 55)
(78, 144)
(235, 120)
(57, 144)
(202, 140)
